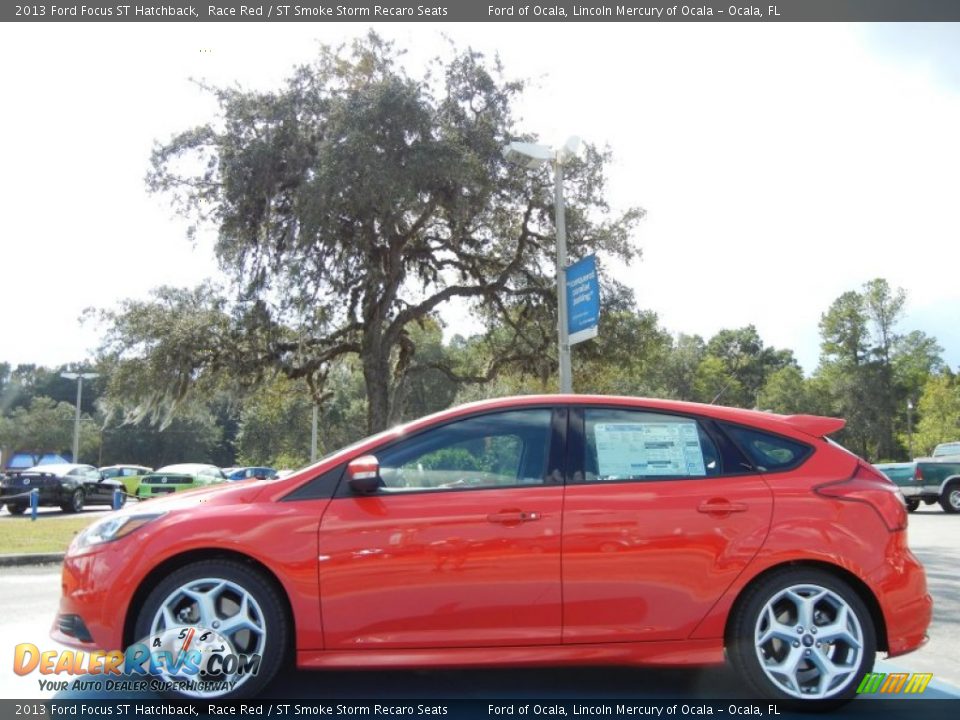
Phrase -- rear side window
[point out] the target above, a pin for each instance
(635, 445)
(768, 452)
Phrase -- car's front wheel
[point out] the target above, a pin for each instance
(74, 502)
(16, 509)
(240, 606)
(801, 635)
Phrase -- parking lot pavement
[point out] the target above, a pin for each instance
(935, 539)
(55, 513)
(29, 598)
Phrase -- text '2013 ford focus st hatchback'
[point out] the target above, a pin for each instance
(534, 530)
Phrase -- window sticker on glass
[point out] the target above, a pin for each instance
(631, 450)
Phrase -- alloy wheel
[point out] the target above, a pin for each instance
(215, 604)
(809, 642)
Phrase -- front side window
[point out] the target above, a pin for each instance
(637, 445)
(496, 450)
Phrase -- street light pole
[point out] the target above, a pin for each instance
(566, 370)
(910, 428)
(79, 377)
(531, 155)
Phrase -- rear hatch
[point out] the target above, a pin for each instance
(163, 483)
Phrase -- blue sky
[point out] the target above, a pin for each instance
(781, 165)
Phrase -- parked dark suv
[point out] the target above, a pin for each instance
(70, 486)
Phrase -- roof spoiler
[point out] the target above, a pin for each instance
(816, 425)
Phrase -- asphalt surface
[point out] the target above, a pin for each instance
(55, 513)
(29, 598)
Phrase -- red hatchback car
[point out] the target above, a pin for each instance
(540, 530)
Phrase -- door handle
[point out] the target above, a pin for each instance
(513, 517)
(720, 506)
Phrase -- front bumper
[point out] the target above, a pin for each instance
(95, 592)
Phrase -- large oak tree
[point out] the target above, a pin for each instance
(350, 205)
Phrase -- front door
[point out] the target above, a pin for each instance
(459, 548)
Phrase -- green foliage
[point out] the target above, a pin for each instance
(350, 205)
(787, 392)
(47, 426)
(869, 371)
(275, 425)
(939, 411)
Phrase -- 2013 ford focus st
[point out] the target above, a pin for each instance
(526, 531)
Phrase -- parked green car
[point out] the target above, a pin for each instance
(129, 475)
(928, 481)
(183, 476)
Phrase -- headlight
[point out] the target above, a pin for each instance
(114, 528)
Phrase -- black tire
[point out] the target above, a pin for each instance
(751, 620)
(263, 596)
(74, 503)
(16, 509)
(950, 499)
(913, 504)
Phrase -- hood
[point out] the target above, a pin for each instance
(219, 494)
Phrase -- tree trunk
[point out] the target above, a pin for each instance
(376, 377)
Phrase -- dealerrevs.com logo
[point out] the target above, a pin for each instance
(190, 660)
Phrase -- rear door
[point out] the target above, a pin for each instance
(661, 516)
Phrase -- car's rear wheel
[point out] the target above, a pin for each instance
(236, 602)
(802, 635)
(16, 509)
(74, 502)
(950, 499)
(912, 504)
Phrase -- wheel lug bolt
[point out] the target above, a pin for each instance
(818, 644)
(813, 631)
(800, 629)
(806, 652)
(796, 643)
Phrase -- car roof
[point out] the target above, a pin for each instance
(186, 468)
(58, 468)
(812, 425)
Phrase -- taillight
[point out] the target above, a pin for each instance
(918, 474)
(873, 488)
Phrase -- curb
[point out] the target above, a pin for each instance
(31, 559)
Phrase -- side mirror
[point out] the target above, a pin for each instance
(363, 474)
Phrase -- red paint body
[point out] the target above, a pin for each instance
(615, 573)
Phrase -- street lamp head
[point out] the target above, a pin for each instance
(74, 376)
(529, 155)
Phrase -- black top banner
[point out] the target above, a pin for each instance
(481, 11)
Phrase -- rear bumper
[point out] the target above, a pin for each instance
(901, 591)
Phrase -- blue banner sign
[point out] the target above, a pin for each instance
(583, 300)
